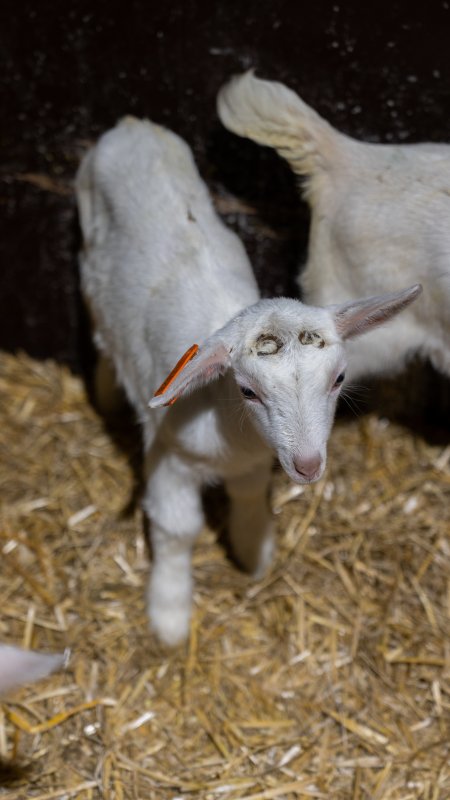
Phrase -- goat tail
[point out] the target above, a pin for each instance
(271, 114)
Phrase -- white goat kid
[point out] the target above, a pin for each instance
(380, 218)
(161, 271)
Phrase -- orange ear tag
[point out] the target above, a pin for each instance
(179, 366)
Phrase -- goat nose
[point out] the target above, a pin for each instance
(308, 467)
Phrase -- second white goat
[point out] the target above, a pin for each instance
(161, 272)
(380, 218)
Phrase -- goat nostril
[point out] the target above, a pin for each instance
(308, 468)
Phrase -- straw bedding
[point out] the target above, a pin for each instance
(330, 678)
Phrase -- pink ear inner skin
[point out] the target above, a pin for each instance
(179, 366)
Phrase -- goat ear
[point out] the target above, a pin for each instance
(357, 317)
(197, 367)
(23, 666)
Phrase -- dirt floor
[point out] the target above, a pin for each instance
(330, 678)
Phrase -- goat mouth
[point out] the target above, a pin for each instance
(302, 477)
(306, 479)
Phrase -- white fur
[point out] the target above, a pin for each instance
(19, 666)
(160, 272)
(380, 219)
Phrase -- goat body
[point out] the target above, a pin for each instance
(160, 272)
(380, 219)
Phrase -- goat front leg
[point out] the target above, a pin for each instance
(173, 504)
(251, 523)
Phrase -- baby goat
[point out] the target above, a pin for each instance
(160, 271)
(380, 218)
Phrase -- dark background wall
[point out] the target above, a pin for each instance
(378, 71)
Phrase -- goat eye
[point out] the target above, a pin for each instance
(248, 393)
(339, 379)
